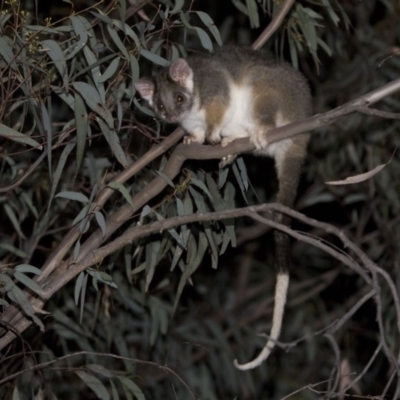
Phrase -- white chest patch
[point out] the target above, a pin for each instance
(195, 122)
(238, 121)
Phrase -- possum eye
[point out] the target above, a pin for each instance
(160, 106)
(179, 99)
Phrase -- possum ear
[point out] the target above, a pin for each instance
(181, 73)
(145, 87)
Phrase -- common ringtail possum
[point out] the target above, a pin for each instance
(234, 93)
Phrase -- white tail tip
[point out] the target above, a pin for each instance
(281, 288)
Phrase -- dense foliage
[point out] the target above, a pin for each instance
(101, 298)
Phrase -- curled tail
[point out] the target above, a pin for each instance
(288, 165)
(281, 289)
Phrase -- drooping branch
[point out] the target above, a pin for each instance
(274, 24)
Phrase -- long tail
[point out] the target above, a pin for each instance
(288, 169)
(281, 289)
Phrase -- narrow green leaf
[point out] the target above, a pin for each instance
(77, 249)
(82, 123)
(19, 137)
(24, 268)
(15, 395)
(331, 12)
(20, 297)
(95, 384)
(65, 97)
(8, 247)
(122, 189)
(102, 277)
(92, 99)
(177, 256)
(110, 71)
(114, 390)
(243, 172)
(222, 176)
(99, 369)
(201, 185)
(220, 204)
(204, 38)
(172, 232)
(14, 220)
(28, 282)
(101, 16)
(27, 199)
(92, 61)
(209, 23)
(83, 295)
(156, 59)
(239, 180)
(122, 9)
(166, 179)
(191, 267)
(207, 225)
(82, 38)
(325, 47)
(128, 31)
(152, 250)
(47, 128)
(311, 13)
(101, 221)
(59, 170)
(253, 13)
(78, 287)
(135, 72)
(292, 47)
(132, 387)
(117, 41)
(241, 7)
(114, 143)
(6, 52)
(144, 110)
(54, 51)
(73, 196)
(178, 6)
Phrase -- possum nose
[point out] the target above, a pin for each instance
(173, 118)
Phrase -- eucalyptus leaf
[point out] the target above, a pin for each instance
(122, 189)
(73, 196)
(19, 137)
(156, 59)
(94, 384)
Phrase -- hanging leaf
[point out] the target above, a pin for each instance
(73, 196)
(114, 143)
(28, 282)
(209, 23)
(95, 384)
(19, 137)
(122, 189)
(132, 387)
(26, 268)
(156, 59)
(53, 49)
(110, 71)
(92, 99)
